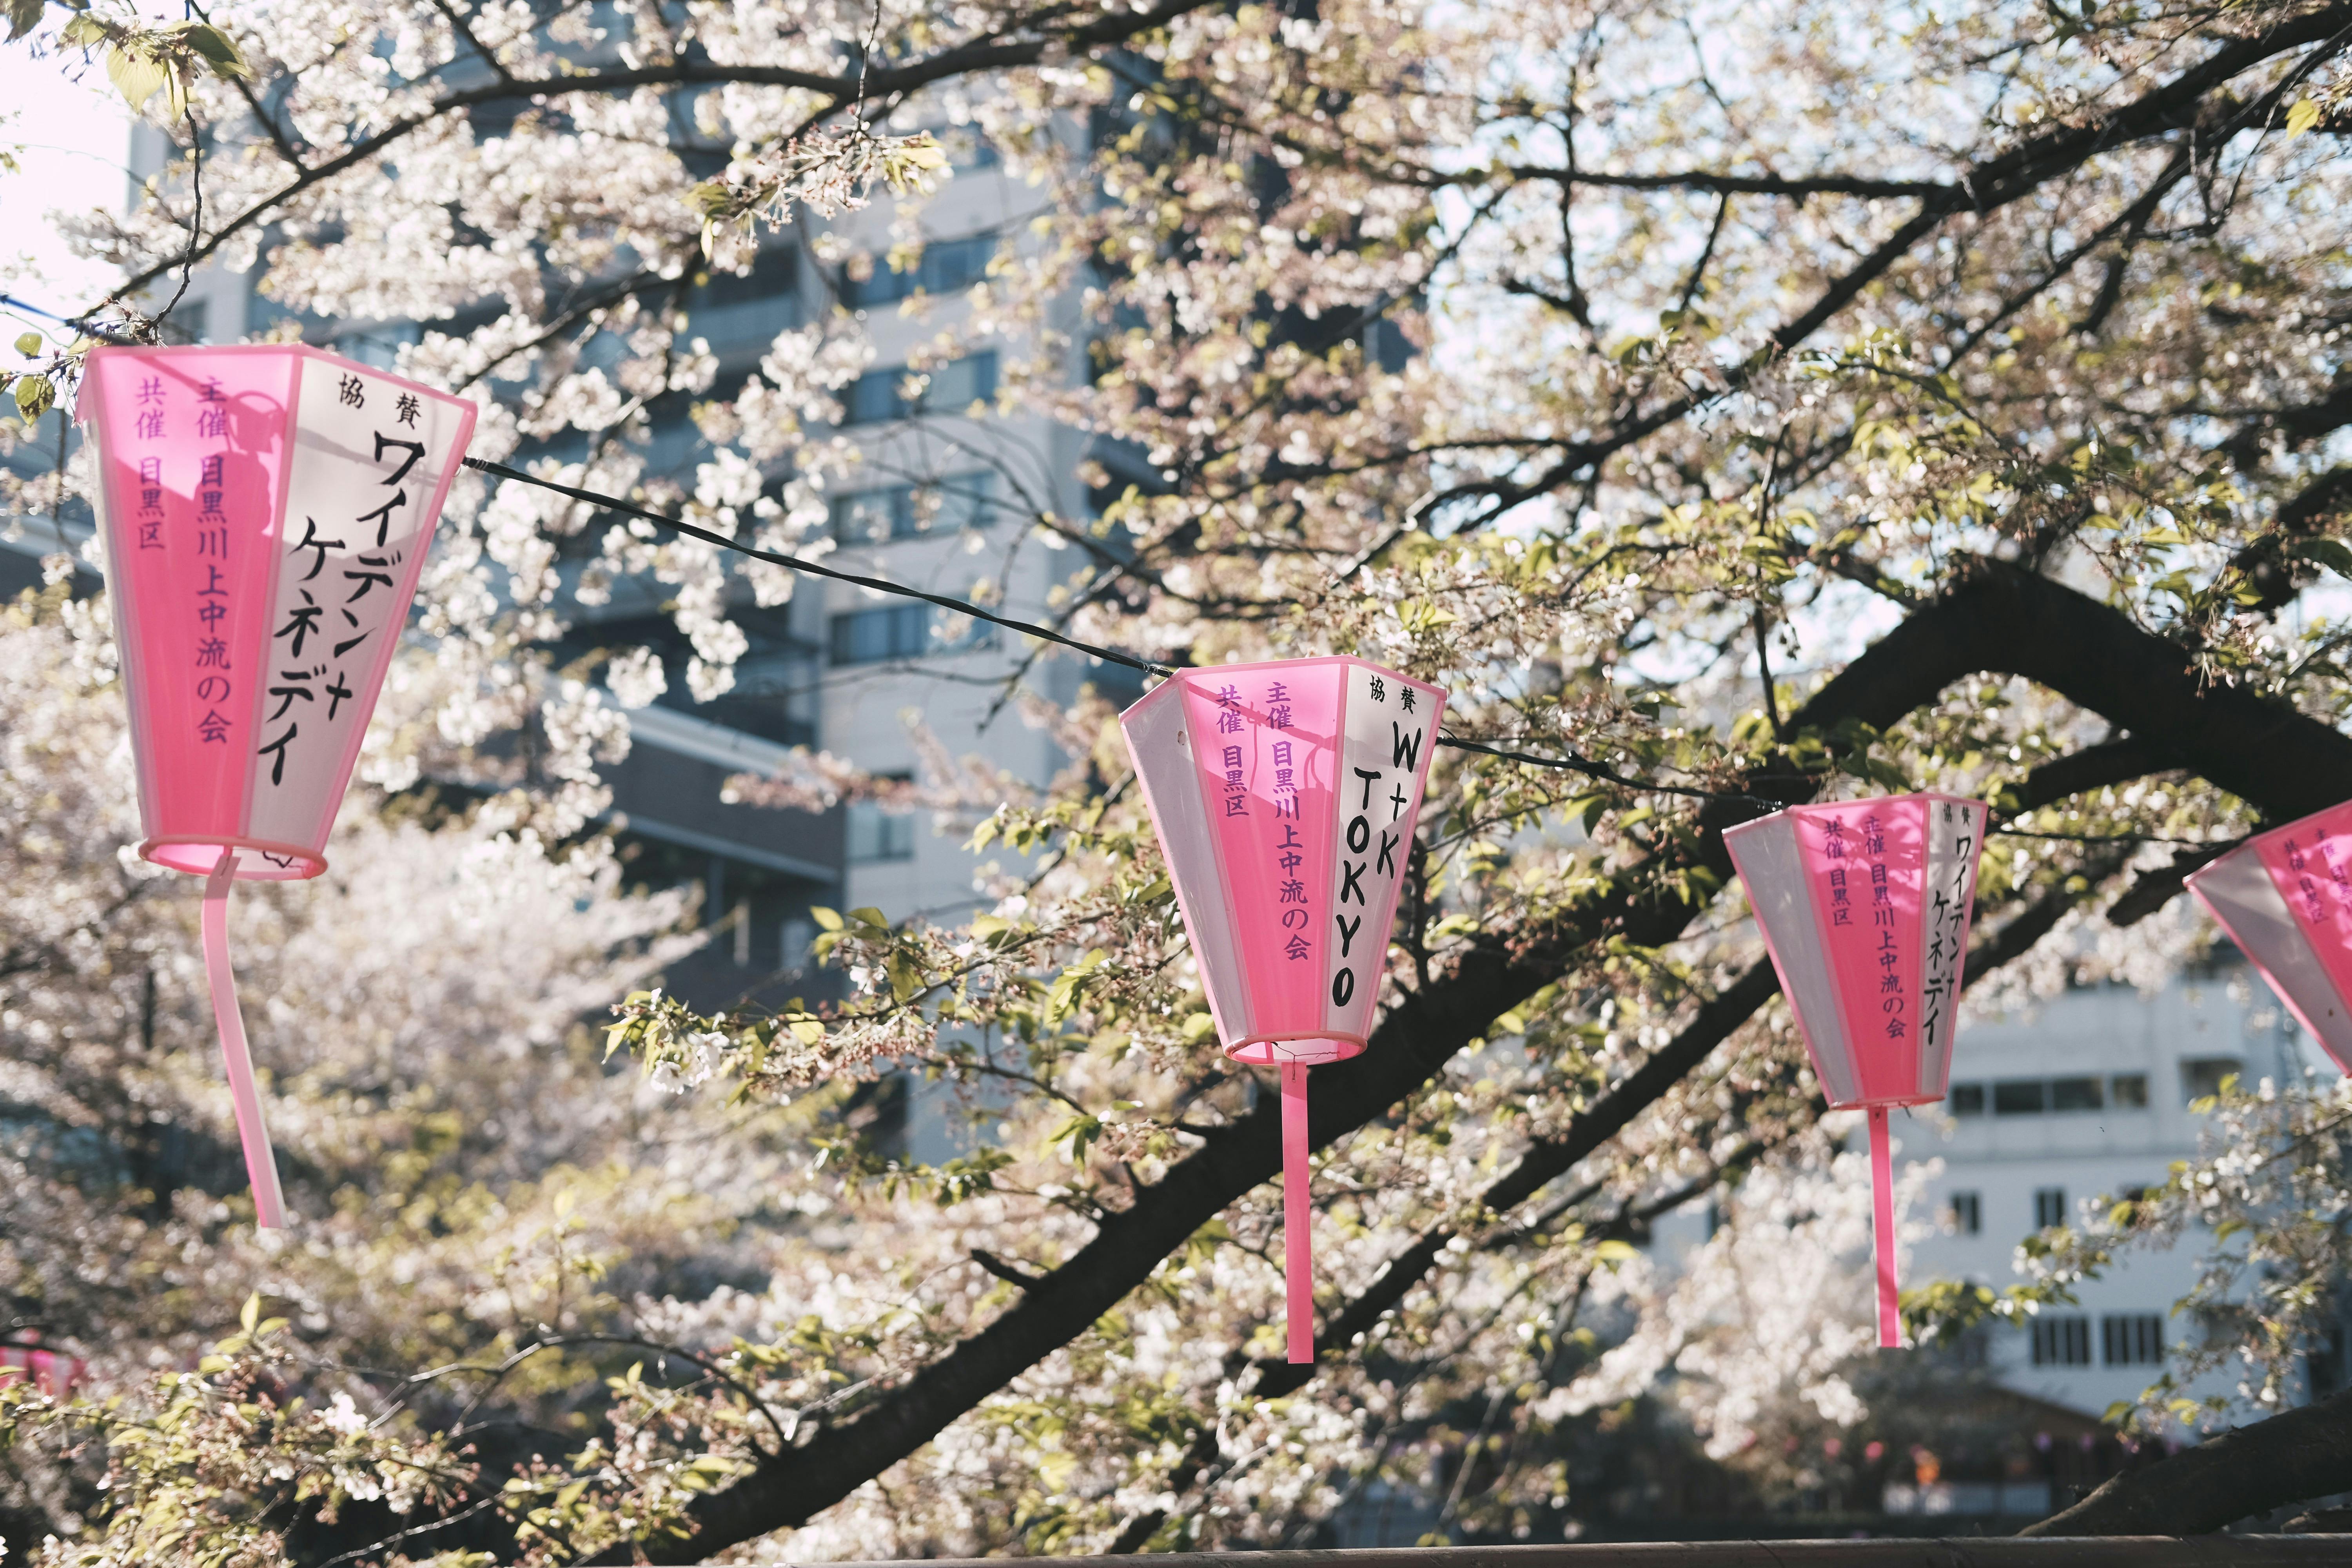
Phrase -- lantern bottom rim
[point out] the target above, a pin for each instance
(267, 860)
(1306, 1050)
(1889, 1102)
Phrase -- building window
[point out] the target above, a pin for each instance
(2130, 1090)
(896, 392)
(2200, 1076)
(2020, 1096)
(1968, 1213)
(900, 631)
(2077, 1094)
(945, 267)
(1966, 1100)
(878, 835)
(2049, 1207)
(793, 941)
(2061, 1341)
(909, 511)
(774, 277)
(2132, 1339)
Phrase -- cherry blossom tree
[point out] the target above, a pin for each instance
(1729, 406)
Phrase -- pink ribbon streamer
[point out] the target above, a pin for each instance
(1298, 1237)
(1882, 1195)
(260, 1161)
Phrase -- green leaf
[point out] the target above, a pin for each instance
(136, 74)
(826, 917)
(218, 50)
(29, 343)
(2302, 117)
(35, 395)
(1614, 1252)
(906, 979)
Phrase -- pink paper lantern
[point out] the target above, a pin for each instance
(1864, 906)
(53, 1374)
(266, 510)
(2285, 899)
(1285, 796)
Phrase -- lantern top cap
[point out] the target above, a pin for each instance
(1194, 672)
(106, 351)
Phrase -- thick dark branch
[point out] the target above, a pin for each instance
(982, 55)
(2094, 767)
(1546, 1161)
(1549, 1159)
(1997, 620)
(1800, 186)
(2285, 1458)
(2275, 577)
(1006, 1271)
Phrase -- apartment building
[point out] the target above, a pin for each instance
(949, 481)
(2089, 1098)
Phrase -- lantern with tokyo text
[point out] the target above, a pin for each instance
(2285, 899)
(1285, 796)
(1864, 907)
(266, 510)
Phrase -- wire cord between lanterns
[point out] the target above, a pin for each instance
(1031, 628)
(802, 564)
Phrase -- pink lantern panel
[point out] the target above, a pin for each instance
(1864, 906)
(51, 1372)
(2285, 899)
(1285, 796)
(266, 510)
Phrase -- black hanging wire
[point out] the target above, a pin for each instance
(814, 568)
(1591, 770)
(1028, 628)
(1151, 667)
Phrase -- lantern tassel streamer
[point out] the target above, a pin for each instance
(260, 1159)
(1298, 1237)
(1882, 1195)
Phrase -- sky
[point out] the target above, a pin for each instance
(70, 140)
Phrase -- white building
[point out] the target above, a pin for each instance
(2088, 1098)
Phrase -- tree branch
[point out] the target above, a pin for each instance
(1996, 620)
(980, 55)
(1983, 188)
(2283, 1459)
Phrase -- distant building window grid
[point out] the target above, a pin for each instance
(2049, 1207)
(2061, 1341)
(774, 278)
(880, 395)
(875, 834)
(2200, 1076)
(954, 503)
(945, 267)
(2037, 1096)
(2132, 1339)
(1968, 1213)
(2021, 1096)
(897, 631)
